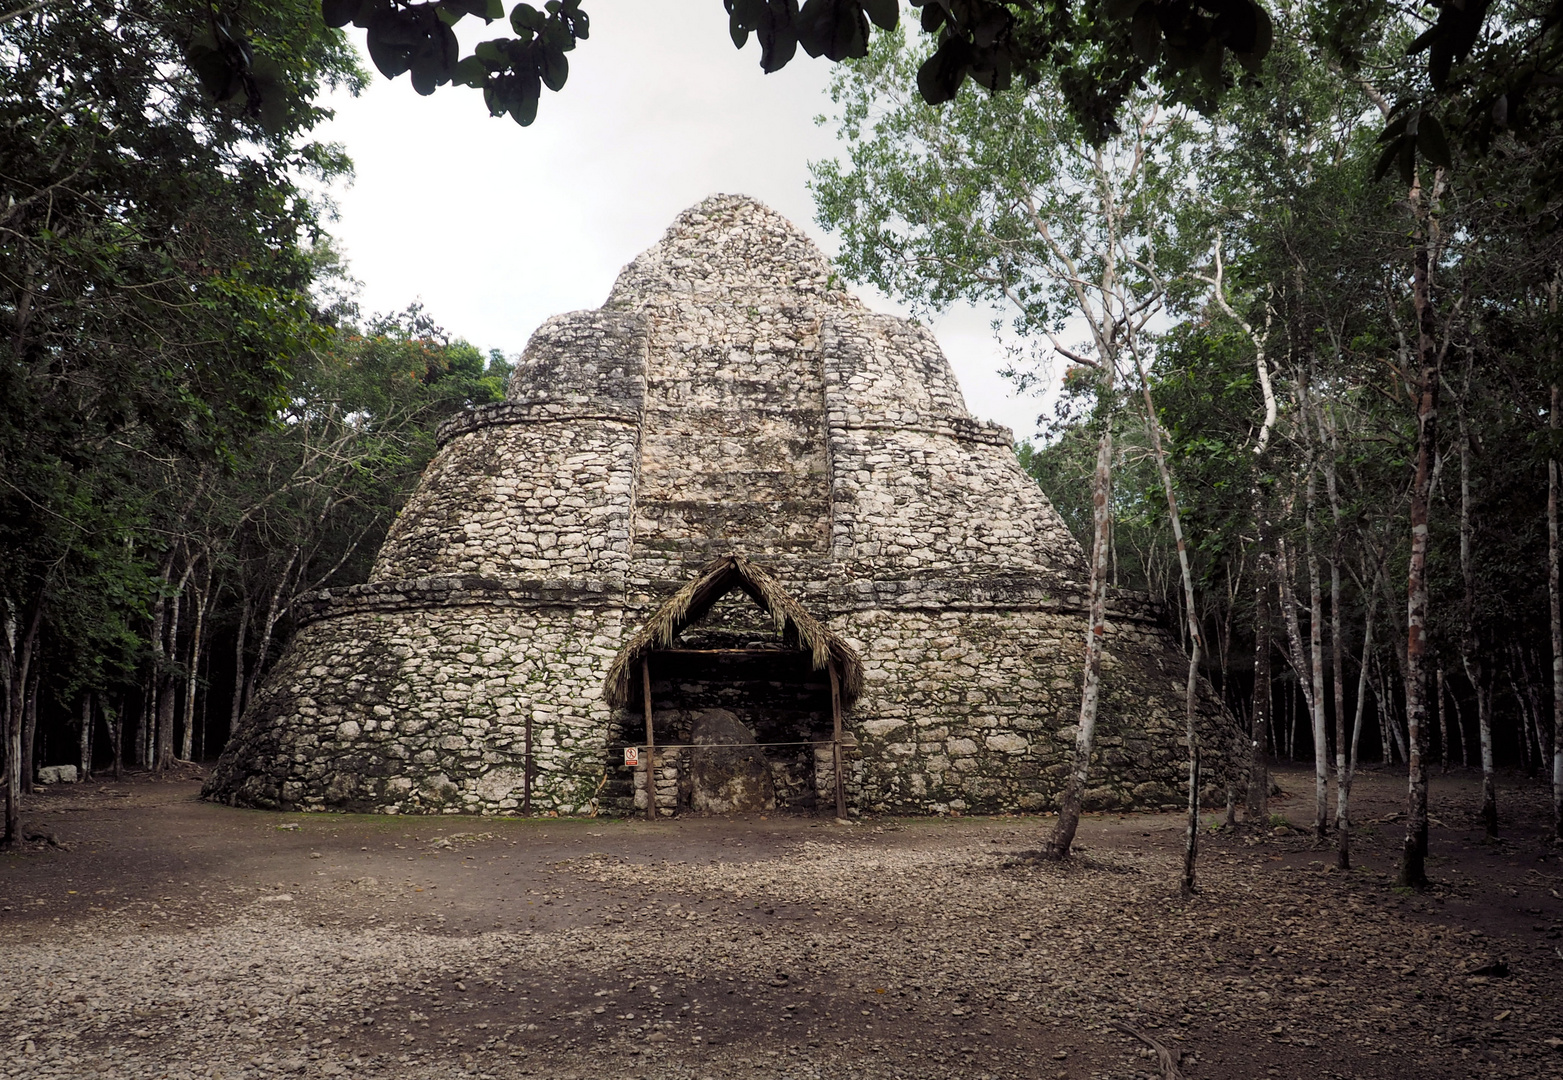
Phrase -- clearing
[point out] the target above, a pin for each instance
(165, 937)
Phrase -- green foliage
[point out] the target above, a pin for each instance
(1274, 240)
(191, 415)
(152, 288)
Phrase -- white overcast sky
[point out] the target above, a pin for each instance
(495, 227)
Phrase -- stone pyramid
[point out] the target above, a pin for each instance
(728, 398)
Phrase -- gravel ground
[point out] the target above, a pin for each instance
(170, 938)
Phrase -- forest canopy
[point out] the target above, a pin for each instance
(1339, 367)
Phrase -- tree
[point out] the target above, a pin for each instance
(1001, 198)
(152, 290)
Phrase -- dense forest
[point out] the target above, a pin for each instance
(1328, 361)
(197, 426)
(1304, 308)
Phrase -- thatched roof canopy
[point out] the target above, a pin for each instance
(716, 579)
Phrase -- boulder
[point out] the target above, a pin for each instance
(57, 774)
(732, 775)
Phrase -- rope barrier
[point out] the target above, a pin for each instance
(724, 746)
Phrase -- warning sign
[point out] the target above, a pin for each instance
(632, 756)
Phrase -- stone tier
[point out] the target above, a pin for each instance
(826, 599)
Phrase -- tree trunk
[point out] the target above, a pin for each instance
(86, 737)
(20, 664)
(1321, 746)
(1382, 712)
(238, 665)
(167, 689)
(1096, 626)
(114, 721)
(1307, 673)
(192, 674)
(1291, 725)
(273, 612)
(1337, 650)
(1258, 808)
(147, 723)
(1459, 728)
(1443, 721)
(1470, 651)
(1484, 735)
(30, 731)
(1534, 712)
(1343, 812)
(1413, 863)
(1195, 635)
(147, 737)
(1555, 608)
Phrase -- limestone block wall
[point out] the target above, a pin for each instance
(917, 485)
(733, 443)
(423, 710)
(520, 499)
(971, 711)
(542, 484)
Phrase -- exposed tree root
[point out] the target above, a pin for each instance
(1166, 1059)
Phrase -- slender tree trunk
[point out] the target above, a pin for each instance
(1443, 720)
(205, 706)
(1337, 640)
(1337, 649)
(1307, 674)
(1382, 712)
(167, 690)
(238, 665)
(1096, 626)
(1258, 809)
(1413, 863)
(1534, 712)
(147, 736)
(1343, 813)
(86, 737)
(114, 720)
(30, 731)
(1321, 746)
(1195, 634)
(1291, 725)
(1555, 606)
(274, 611)
(21, 650)
(1484, 695)
(147, 723)
(1459, 727)
(1470, 651)
(192, 675)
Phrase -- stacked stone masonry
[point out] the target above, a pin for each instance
(726, 399)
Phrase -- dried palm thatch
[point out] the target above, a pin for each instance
(716, 579)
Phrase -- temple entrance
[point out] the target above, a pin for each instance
(734, 693)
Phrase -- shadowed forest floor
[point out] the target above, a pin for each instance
(166, 937)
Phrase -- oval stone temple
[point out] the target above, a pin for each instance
(736, 523)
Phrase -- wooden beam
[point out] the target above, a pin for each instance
(651, 740)
(526, 767)
(835, 716)
(788, 653)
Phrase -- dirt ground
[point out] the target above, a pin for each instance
(164, 937)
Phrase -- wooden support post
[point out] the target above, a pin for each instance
(835, 745)
(526, 767)
(651, 740)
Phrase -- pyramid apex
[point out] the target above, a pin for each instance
(725, 244)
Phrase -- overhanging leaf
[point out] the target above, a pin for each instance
(886, 14)
(339, 12)
(1431, 141)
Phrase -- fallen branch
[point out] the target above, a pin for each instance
(1164, 1057)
